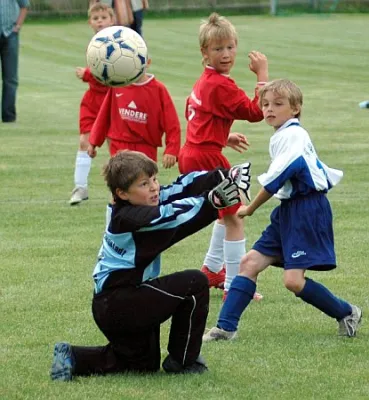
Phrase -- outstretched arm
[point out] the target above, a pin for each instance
(262, 197)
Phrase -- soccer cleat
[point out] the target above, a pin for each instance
(216, 279)
(216, 333)
(171, 366)
(257, 296)
(63, 364)
(349, 325)
(78, 195)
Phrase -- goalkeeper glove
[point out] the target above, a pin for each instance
(225, 194)
(240, 175)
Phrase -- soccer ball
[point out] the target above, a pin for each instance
(117, 56)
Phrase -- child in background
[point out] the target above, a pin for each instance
(135, 12)
(135, 117)
(215, 102)
(130, 301)
(100, 16)
(300, 235)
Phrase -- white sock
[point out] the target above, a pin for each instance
(82, 168)
(233, 252)
(108, 215)
(214, 258)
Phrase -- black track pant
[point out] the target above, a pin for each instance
(130, 318)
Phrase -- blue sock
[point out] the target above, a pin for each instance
(239, 296)
(320, 297)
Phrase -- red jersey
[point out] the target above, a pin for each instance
(95, 85)
(139, 113)
(91, 102)
(215, 102)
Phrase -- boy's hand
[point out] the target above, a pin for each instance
(225, 194)
(91, 151)
(169, 161)
(240, 175)
(238, 142)
(244, 211)
(80, 72)
(259, 65)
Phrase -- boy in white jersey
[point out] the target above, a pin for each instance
(300, 235)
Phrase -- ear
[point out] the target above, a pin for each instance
(121, 194)
(296, 110)
(204, 52)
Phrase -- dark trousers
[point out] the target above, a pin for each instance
(130, 319)
(137, 21)
(9, 49)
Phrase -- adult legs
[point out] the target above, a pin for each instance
(9, 49)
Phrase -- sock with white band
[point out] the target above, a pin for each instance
(82, 169)
(233, 252)
(214, 258)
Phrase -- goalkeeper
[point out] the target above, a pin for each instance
(130, 302)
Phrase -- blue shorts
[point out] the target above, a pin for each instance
(300, 234)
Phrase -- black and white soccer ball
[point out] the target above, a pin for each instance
(117, 56)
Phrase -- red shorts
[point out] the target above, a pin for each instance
(204, 158)
(90, 106)
(150, 151)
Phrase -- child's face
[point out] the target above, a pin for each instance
(277, 109)
(100, 20)
(144, 191)
(221, 55)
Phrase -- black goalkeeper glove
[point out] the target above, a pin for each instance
(225, 194)
(240, 175)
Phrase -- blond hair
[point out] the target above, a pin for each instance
(216, 28)
(284, 88)
(95, 7)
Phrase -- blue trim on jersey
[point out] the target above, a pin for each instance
(177, 187)
(298, 173)
(177, 213)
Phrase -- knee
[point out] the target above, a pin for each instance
(294, 284)
(199, 279)
(249, 266)
(83, 141)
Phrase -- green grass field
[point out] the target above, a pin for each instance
(286, 349)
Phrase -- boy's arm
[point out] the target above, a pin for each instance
(171, 125)
(262, 197)
(192, 184)
(231, 102)
(180, 217)
(101, 125)
(87, 76)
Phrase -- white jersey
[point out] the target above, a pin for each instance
(295, 169)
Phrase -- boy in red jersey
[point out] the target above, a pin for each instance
(135, 117)
(100, 16)
(215, 102)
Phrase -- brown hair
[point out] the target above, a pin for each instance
(216, 28)
(285, 88)
(97, 6)
(125, 167)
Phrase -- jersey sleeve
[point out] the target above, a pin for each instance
(101, 125)
(192, 184)
(288, 162)
(87, 76)
(163, 217)
(231, 102)
(171, 125)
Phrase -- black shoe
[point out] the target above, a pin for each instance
(171, 366)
